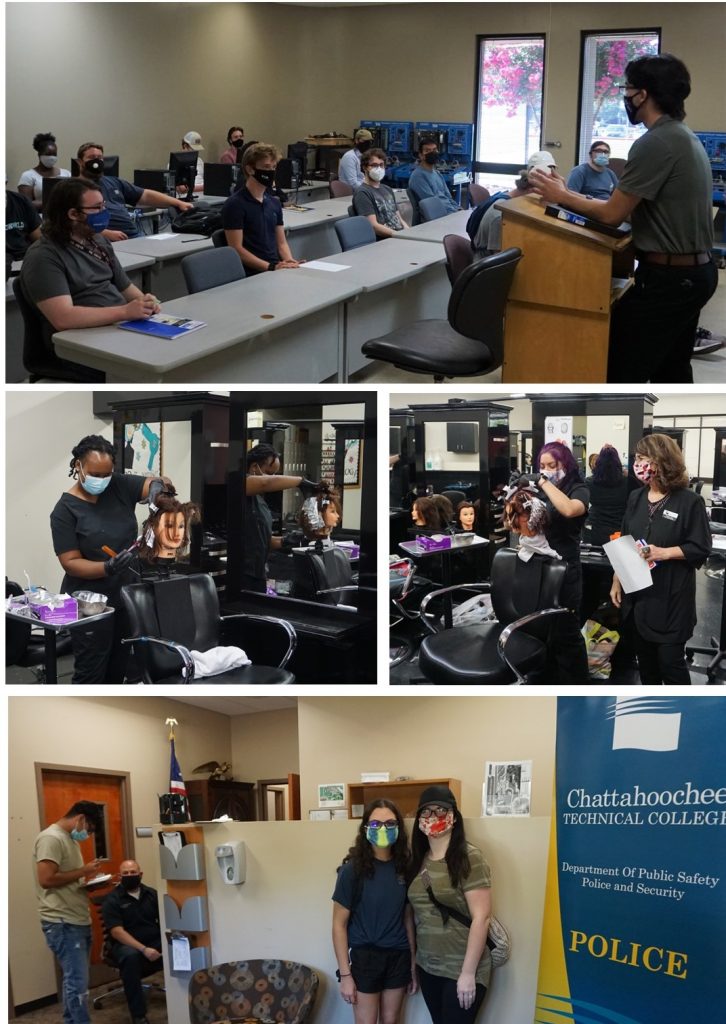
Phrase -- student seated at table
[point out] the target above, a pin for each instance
(22, 226)
(193, 141)
(375, 200)
(594, 178)
(425, 180)
(71, 274)
(235, 142)
(30, 183)
(488, 237)
(118, 194)
(252, 217)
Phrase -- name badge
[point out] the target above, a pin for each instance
(667, 514)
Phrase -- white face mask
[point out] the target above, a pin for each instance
(49, 161)
(376, 173)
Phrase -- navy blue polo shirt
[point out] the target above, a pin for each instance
(258, 222)
(118, 194)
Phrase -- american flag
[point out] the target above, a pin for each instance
(176, 779)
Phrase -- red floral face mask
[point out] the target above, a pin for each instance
(437, 825)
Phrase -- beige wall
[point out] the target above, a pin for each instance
(119, 734)
(265, 745)
(284, 71)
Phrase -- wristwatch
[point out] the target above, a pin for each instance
(272, 265)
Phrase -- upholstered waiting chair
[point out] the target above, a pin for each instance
(431, 208)
(459, 255)
(477, 194)
(525, 599)
(169, 618)
(262, 990)
(471, 340)
(354, 232)
(211, 268)
(338, 189)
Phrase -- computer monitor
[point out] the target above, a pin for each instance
(48, 185)
(220, 179)
(110, 166)
(287, 173)
(153, 179)
(184, 166)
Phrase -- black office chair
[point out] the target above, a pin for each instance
(39, 357)
(477, 194)
(459, 255)
(354, 233)
(471, 341)
(339, 189)
(431, 208)
(219, 238)
(169, 618)
(512, 649)
(24, 648)
(328, 576)
(415, 212)
(211, 268)
(454, 497)
(116, 988)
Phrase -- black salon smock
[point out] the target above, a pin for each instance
(257, 538)
(87, 526)
(139, 917)
(666, 612)
(607, 507)
(563, 534)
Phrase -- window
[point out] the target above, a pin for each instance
(508, 107)
(605, 56)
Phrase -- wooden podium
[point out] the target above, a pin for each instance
(558, 312)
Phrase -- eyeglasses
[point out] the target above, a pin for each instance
(372, 823)
(435, 811)
(376, 165)
(98, 208)
(605, 151)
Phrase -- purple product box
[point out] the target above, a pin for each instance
(433, 544)
(58, 614)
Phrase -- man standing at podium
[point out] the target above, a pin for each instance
(665, 192)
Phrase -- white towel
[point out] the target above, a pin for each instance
(218, 660)
(529, 546)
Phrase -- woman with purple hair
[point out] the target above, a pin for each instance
(567, 498)
(608, 496)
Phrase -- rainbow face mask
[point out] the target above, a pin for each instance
(381, 833)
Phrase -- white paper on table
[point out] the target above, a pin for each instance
(719, 541)
(332, 268)
(630, 568)
(163, 236)
(181, 958)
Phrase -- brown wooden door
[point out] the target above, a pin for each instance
(60, 788)
(293, 797)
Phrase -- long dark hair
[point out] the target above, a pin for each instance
(608, 469)
(361, 855)
(457, 855)
(67, 195)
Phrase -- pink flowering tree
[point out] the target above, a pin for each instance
(611, 58)
(512, 77)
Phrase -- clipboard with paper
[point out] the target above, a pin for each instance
(629, 567)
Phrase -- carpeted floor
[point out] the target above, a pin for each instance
(114, 1010)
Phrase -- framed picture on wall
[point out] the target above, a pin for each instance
(351, 463)
(331, 794)
(142, 448)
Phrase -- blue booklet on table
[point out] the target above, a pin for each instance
(163, 325)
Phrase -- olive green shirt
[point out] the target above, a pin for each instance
(668, 170)
(68, 903)
(441, 948)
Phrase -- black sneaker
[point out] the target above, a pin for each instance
(707, 342)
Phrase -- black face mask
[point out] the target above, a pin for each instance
(630, 109)
(131, 882)
(364, 146)
(238, 143)
(266, 178)
(93, 168)
(431, 158)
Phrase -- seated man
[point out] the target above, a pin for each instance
(118, 194)
(71, 274)
(594, 178)
(131, 917)
(252, 217)
(375, 200)
(425, 180)
(235, 142)
(488, 237)
(22, 226)
(193, 141)
(349, 168)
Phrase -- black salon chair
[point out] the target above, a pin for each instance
(512, 649)
(171, 617)
(471, 340)
(39, 357)
(330, 576)
(454, 497)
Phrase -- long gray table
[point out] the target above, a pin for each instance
(273, 328)
(434, 230)
(15, 372)
(164, 277)
(397, 286)
(311, 234)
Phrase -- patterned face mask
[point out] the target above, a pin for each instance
(437, 825)
(382, 833)
(643, 471)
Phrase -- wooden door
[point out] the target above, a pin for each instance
(58, 789)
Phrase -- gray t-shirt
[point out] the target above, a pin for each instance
(669, 170)
(50, 270)
(489, 234)
(589, 182)
(380, 202)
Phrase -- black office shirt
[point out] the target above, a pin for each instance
(607, 505)
(85, 526)
(563, 534)
(139, 917)
(257, 536)
(21, 219)
(257, 221)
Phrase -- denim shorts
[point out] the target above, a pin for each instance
(375, 969)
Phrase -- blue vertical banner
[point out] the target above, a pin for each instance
(634, 930)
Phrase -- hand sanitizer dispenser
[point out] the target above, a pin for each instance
(232, 862)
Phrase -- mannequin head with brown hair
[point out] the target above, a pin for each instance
(525, 513)
(320, 514)
(165, 534)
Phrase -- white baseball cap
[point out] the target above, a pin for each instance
(541, 161)
(194, 140)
